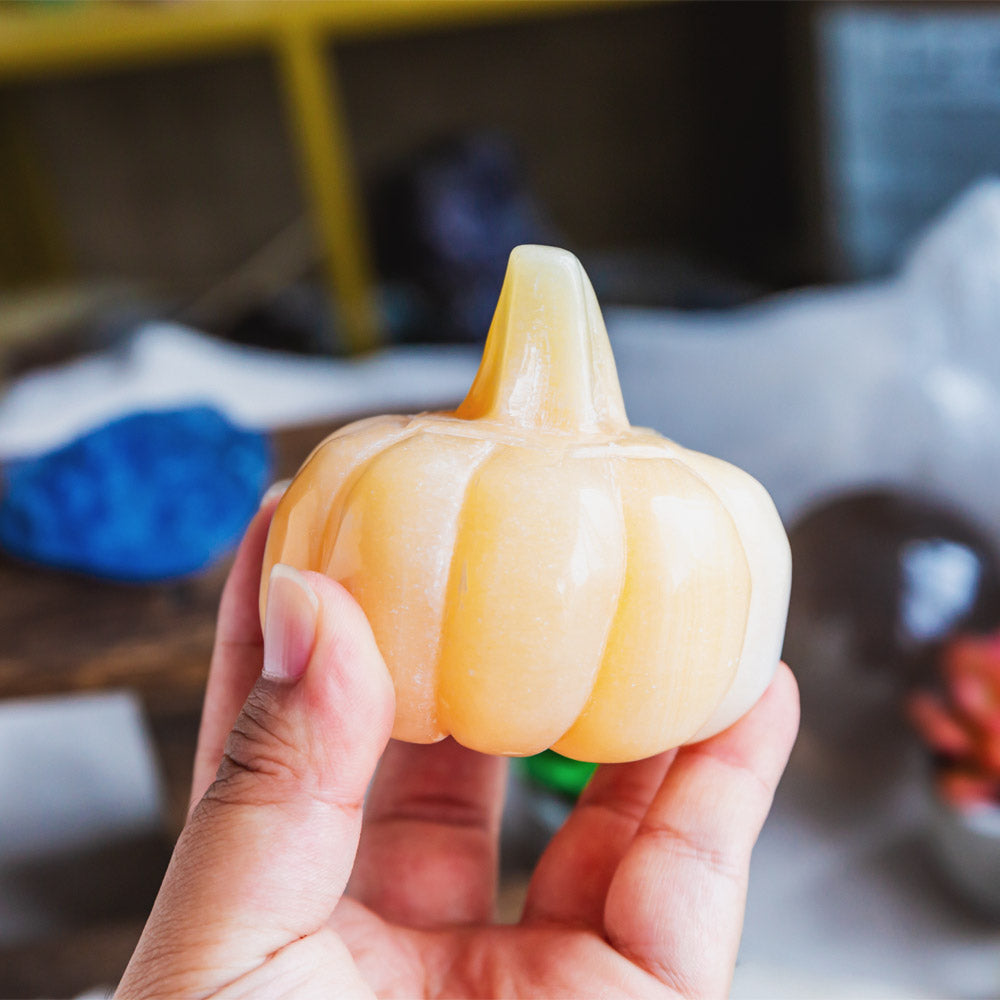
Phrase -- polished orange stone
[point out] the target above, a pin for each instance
(537, 572)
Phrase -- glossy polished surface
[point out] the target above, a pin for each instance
(538, 573)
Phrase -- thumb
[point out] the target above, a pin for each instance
(267, 852)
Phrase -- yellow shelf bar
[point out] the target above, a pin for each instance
(104, 33)
(318, 120)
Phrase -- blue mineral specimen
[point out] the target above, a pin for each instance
(150, 496)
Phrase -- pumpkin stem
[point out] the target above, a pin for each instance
(547, 363)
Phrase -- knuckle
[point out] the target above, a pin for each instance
(260, 761)
(721, 861)
(670, 981)
(748, 777)
(268, 761)
(439, 809)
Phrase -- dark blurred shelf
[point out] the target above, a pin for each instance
(46, 40)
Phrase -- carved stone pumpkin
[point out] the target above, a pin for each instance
(537, 572)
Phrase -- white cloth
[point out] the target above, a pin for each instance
(165, 365)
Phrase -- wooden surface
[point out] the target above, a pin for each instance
(63, 632)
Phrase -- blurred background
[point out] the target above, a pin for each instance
(227, 228)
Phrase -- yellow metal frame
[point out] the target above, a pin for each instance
(330, 180)
(103, 34)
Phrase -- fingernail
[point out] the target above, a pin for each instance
(275, 491)
(289, 624)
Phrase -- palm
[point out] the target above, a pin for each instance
(488, 961)
(426, 870)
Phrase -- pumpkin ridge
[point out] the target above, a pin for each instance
(750, 507)
(348, 431)
(279, 547)
(338, 502)
(443, 720)
(602, 728)
(724, 507)
(615, 485)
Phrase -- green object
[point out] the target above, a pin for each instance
(557, 773)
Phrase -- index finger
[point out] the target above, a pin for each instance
(237, 655)
(675, 905)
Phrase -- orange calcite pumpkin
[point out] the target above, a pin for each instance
(537, 572)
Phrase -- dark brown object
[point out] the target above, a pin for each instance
(881, 579)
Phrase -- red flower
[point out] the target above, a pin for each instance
(961, 725)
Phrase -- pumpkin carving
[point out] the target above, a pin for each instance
(537, 572)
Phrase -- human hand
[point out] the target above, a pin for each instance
(640, 894)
